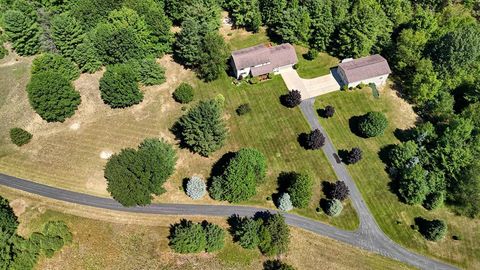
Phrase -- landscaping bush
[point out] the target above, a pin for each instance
(339, 191)
(202, 128)
(315, 140)
(373, 124)
(183, 93)
(354, 155)
(329, 111)
(20, 136)
(239, 180)
(434, 230)
(220, 99)
(333, 208)
(311, 54)
(270, 75)
(285, 203)
(8, 220)
(243, 109)
(254, 80)
(300, 189)
(52, 96)
(434, 200)
(196, 188)
(133, 175)
(55, 62)
(215, 237)
(276, 265)
(119, 87)
(292, 99)
(187, 237)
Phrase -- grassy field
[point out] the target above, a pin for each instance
(394, 217)
(69, 154)
(111, 240)
(309, 69)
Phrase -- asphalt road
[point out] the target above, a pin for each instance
(368, 236)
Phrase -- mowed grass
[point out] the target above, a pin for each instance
(393, 216)
(110, 240)
(319, 66)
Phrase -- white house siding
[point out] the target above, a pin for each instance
(378, 81)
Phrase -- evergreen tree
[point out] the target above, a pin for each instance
(119, 87)
(67, 33)
(86, 57)
(300, 189)
(23, 31)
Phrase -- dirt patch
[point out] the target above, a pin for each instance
(19, 206)
(75, 126)
(106, 154)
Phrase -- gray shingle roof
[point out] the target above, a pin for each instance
(365, 68)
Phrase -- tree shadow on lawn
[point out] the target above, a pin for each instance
(327, 188)
(283, 182)
(353, 124)
(219, 167)
(302, 140)
(343, 154)
(384, 155)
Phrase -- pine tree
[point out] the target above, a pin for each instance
(23, 31)
(67, 33)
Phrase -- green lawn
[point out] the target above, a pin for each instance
(394, 217)
(274, 129)
(309, 69)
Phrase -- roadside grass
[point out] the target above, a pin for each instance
(393, 216)
(113, 240)
(309, 69)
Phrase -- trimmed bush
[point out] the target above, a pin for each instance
(311, 54)
(52, 96)
(292, 99)
(187, 237)
(55, 62)
(196, 188)
(20, 136)
(435, 230)
(215, 237)
(434, 200)
(372, 124)
(333, 208)
(354, 156)
(329, 111)
(119, 87)
(300, 190)
(243, 109)
(183, 93)
(284, 202)
(315, 140)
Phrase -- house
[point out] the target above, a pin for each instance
(263, 59)
(369, 69)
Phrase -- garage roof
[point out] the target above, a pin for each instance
(365, 68)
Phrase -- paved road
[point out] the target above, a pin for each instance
(375, 243)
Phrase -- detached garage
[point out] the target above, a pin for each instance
(371, 69)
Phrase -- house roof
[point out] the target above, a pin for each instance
(268, 57)
(365, 68)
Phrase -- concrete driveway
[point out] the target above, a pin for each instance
(310, 88)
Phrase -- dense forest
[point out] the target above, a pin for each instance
(432, 46)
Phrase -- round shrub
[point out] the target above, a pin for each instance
(284, 202)
(329, 111)
(435, 230)
(311, 54)
(339, 191)
(372, 124)
(183, 93)
(187, 237)
(55, 62)
(434, 200)
(20, 136)
(315, 140)
(196, 188)
(243, 109)
(52, 96)
(292, 99)
(354, 156)
(333, 208)
(119, 87)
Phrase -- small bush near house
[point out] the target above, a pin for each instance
(270, 75)
(434, 200)
(292, 99)
(333, 208)
(196, 188)
(311, 54)
(243, 109)
(20, 136)
(295, 66)
(52, 96)
(354, 155)
(285, 203)
(276, 265)
(183, 93)
(254, 80)
(372, 124)
(189, 237)
(300, 189)
(55, 62)
(315, 140)
(119, 86)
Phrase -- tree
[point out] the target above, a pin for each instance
(271, 11)
(246, 232)
(434, 200)
(20, 136)
(465, 192)
(399, 11)
(133, 175)
(86, 57)
(55, 62)
(295, 25)
(215, 237)
(8, 220)
(202, 128)
(323, 23)
(276, 265)
(315, 140)
(300, 189)
(119, 87)
(196, 188)
(67, 34)
(373, 124)
(148, 71)
(329, 111)
(243, 109)
(183, 93)
(246, 14)
(284, 202)
(333, 208)
(339, 191)
(90, 12)
(424, 84)
(412, 185)
(435, 230)
(187, 237)
(188, 45)
(242, 174)
(409, 48)
(214, 56)
(354, 155)
(52, 96)
(293, 98)
(23, 31)
(274, 235)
